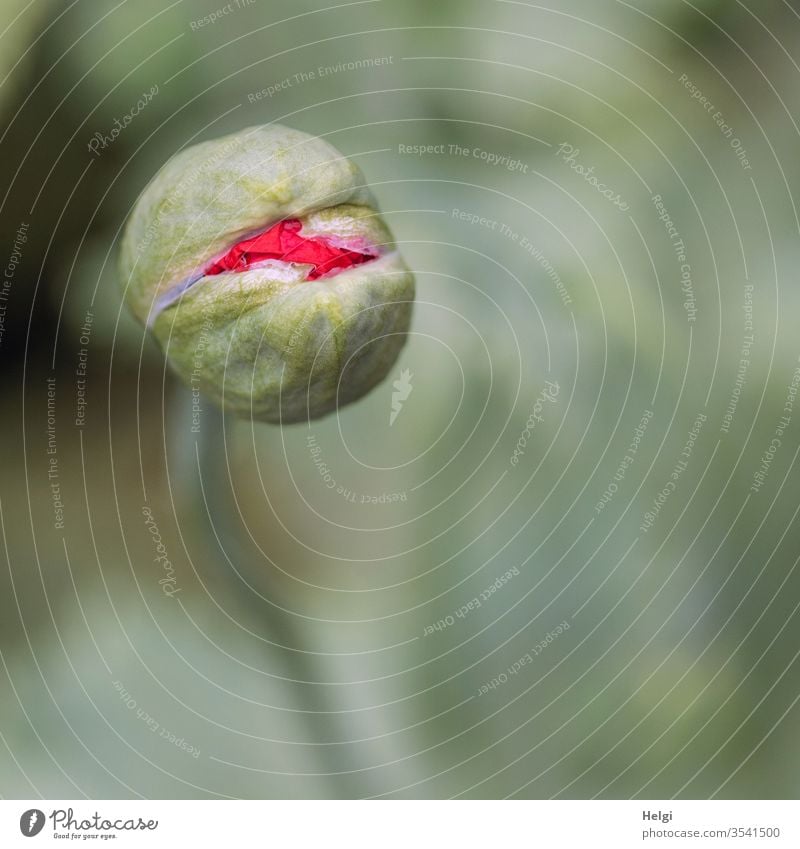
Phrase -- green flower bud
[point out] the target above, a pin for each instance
(261, 265)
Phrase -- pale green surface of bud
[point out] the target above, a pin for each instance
(265, 340)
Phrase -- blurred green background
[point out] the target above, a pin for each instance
(297, 655)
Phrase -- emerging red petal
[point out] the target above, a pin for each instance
(283, 241)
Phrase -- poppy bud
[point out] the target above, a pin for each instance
(261, 265)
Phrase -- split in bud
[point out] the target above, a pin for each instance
(283, 242)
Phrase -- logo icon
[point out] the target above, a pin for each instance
(31, 822)
(403, 389)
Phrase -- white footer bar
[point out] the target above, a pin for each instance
(401, 824)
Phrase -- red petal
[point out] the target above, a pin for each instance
(283, 242)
